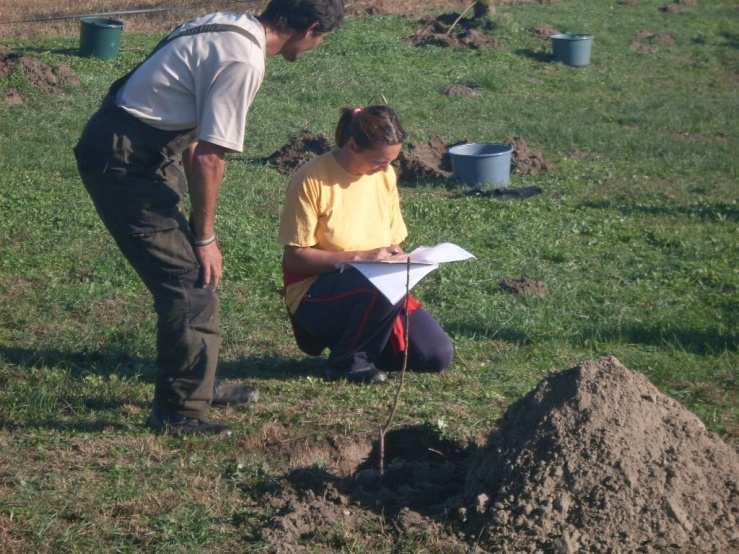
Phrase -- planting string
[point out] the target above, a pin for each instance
(406, 326)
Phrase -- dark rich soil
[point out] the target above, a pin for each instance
(425, 160)
(13, 97)
(468, 32)
(42, 77)
(429, 160)
(678, 6)
(524, 286)
(646, 42)
(465, 91)
(422, 472)
(525, 161)
(544, 31)
(298, 150)
(596, 458)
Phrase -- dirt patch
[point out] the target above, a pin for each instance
(422, 471)
(13, 97)
(429, 160)
(459, 90)
(596, 458)
(40, 76)
(425, 160)
(678, 6)
(524, 286)
(544, 31)
(298, 150)
(448, 30)
(525, 161)
(647, 42)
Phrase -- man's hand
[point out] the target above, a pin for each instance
(211, 264)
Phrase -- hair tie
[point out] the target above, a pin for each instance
(355, 111)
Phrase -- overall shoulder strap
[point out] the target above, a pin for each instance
(199, 29)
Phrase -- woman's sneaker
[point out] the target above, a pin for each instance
(365, 374)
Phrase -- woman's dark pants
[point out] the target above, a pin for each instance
(346, 313)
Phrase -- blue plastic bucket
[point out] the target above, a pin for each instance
(100, 37)
(572, 48)
(482, 165)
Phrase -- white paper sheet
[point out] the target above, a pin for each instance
(389, 276)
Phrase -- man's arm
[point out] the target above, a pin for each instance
(205, 166)
(312, 261)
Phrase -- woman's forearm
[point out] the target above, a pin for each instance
(312, 261)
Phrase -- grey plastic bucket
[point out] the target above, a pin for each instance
(572, 48)
(485, 165)
(100, 37)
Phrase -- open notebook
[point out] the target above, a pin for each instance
(389, 276)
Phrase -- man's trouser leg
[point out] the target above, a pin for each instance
(188, 338)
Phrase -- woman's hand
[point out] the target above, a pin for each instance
(379, 253)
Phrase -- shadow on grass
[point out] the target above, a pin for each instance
(119, 363)
(706, 211)
(112, 362)
(36, 50)
(696, 341)
(536, 55)
(271, 368)
(505, 334)
(88, 426)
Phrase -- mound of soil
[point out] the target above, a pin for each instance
(525, 161)
(468, 32)
(678, 6)
(465, 91)
(544, 31)
(42, 77)
(13, 97)
(426, 160)
(298, 150)
(645, 42)
(524, 286)
(597, 459)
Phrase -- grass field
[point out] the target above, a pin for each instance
(635, 237)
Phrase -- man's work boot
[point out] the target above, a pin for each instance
(182, 426)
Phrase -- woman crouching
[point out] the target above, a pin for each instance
(344, 207)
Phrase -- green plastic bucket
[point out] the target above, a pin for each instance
(484, 166)
(100, 37)
(572, 48)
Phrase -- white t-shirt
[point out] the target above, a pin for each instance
(205, 81)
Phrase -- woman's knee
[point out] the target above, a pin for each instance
(435, 356)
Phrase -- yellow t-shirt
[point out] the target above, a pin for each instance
(328, 208)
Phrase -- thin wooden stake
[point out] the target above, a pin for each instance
(406, 326)
(468, 8)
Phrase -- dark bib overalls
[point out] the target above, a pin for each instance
(134, 177)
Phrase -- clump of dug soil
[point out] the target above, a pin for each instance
(39, 75)
(544, 31)
(298, 150)
(678, 5)
(464, 91)
(448, 30)
(597, 459)
(524, 286)
(525, 161)
(425, 160)
(646, 42)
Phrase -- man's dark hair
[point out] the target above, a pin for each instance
(298, 15)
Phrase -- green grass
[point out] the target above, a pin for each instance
(635, 237)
